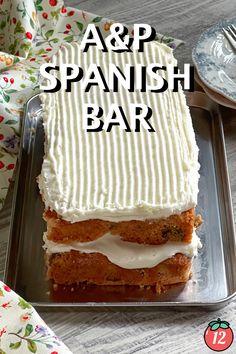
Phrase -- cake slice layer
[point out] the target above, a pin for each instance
(174, 228)
(76, 267)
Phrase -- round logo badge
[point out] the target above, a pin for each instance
(218, 336)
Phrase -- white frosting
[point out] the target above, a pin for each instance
(128, 255)
(118, 175)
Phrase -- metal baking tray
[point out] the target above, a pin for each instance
(213, 282)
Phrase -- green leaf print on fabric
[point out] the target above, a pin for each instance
(49, 34)
(28, 330)
(10, 91)
(15, 345)
(32, 346)
(11, 121)
(19, 28)
(97, 19)
(79, 25)
(2, 25)
(69, 39)
(5, 97)
(23, 304)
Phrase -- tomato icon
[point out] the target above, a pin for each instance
(218, 336)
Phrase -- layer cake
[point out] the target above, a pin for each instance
(119, 206)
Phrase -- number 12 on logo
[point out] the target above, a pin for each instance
(218, 336)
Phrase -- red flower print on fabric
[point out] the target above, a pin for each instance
(6, 305)
(29, 35)
(63, 10)
(10, 166)
(2, 331)
(53, 2)
(25, 317)
(7, 289)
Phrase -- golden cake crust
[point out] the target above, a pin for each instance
(76, 267)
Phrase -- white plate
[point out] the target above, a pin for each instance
(215, 61)
(215, 96)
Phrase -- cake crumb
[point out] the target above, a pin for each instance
(158, 289)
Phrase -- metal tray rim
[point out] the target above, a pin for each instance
(176, 304)
(193, 99)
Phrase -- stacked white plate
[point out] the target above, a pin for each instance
(215, 63)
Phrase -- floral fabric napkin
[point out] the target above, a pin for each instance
(31, 31)
(22, 330)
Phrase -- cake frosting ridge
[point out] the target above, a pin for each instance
(118, 175)
(128, 255)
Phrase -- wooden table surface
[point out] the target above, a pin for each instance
(105, 330)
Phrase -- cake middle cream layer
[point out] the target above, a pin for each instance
(128, 255)
(118, 175)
